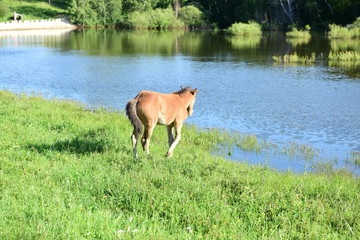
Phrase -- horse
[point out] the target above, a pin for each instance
(149, 109)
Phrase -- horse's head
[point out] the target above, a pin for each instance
(190, 108)
(189, 95)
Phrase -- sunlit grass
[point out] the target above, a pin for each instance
(68, 173)
(31, 10)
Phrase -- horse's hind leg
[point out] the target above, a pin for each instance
(149, 128)
(134, 139)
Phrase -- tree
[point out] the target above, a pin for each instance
(191, 16)
(288, 10)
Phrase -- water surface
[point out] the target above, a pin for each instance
(241, 88)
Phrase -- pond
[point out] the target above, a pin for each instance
(241, 87)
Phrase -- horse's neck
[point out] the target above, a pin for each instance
(186, 98)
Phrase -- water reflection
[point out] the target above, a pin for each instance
(298, 41)
(239, 42)
(338, 45)
(49, 37)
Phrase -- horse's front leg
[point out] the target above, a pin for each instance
(176, 141)
(170, 135)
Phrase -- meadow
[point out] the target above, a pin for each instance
(67, 172)
(29, 9)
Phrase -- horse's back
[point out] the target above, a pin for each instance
(157, 107)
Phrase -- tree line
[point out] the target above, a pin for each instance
(271, 14)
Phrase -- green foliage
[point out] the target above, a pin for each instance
(356, 23)
(95, 12)
(343, 32)
(68, 173)
(296, 33)
(221, 13)
(138, 20)
(192, 16)
(294, 58)
(273, 15)
(163, 18)
(130, 6)
(4, 10)
(245, 29)
(154, 19)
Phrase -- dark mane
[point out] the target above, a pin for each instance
(184, 90)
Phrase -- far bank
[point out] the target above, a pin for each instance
(59, 23)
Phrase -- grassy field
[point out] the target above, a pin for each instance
(68, 173)
(32, 9)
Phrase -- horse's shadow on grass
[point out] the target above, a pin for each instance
(91, 142)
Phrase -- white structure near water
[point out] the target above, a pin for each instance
(36, 24)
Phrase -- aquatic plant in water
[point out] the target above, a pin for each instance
(344, 56)
(294, 58)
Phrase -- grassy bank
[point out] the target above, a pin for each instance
(68, 173)
(30, 10)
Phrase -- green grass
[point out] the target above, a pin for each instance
(32, 9)
(68, 173)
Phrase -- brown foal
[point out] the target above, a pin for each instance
(151, 108)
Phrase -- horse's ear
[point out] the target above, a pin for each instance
(193, 92)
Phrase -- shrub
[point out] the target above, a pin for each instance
(296, 33)
(154, 19)
(163, 18)
(244, 29)
(337, 31)
(138, 20)
(192, 16)
(356, 23)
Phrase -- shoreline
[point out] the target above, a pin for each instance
(59, 23)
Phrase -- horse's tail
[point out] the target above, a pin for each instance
(133, 117)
